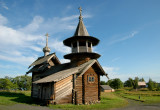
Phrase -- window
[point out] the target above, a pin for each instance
(75, 44)
(90, 79)
(82, 43)
(89, 44)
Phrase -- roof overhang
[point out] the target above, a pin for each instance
(43, 59)
(68, 41)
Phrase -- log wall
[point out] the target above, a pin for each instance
(90, 88)
(35, 87)
(63, 90)
(78, 89)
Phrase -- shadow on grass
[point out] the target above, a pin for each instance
(20, 98)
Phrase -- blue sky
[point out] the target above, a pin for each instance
(129, 33)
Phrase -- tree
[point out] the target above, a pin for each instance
(102, 83)
(6, 84)
(135, 82)
(116, 83)
(109, 82)
(142, 79)
(128, 83)
(23, 82)
(150, 84)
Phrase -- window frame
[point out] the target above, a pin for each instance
(91, 79)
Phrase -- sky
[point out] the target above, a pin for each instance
(128, 30)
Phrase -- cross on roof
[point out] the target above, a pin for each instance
(80, 10)
(47, 35)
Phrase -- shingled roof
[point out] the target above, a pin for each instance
(62, 71)
(141, 83)
(43, 59)
(106, 87)
(81, 29)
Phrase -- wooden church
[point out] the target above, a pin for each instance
(77, 82)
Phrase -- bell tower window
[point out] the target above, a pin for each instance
(74, 44)
(82, 43)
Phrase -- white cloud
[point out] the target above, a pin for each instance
(22, 59)
(36, 48)
(123, 38)
(70, 18)
(21, 45)
(110, 70)
(3, 5)
(59, 47)
(16, 45)
(33, 26)
(64, 61)
(3, 20)
(115, 59)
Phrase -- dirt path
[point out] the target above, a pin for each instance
(136, 105)
(24, 107)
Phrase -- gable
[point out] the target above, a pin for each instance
(96, 66)
(46, 59)
(43, 63)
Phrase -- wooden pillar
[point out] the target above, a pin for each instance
(72, 47)
(83, 90)
(32, 85)
(78, 46)
(91, 46)
(87, 46)
(74, 90)
(99, 88)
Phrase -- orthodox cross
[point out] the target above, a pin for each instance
(80, 10)
(47, 35)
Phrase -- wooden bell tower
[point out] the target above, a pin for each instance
(81, 44)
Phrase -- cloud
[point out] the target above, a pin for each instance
(59, 47)
(16, 46)
(70, 18)
(115, 59)
(33, 26)
(110, 70)
(3, 20)
(64, 61)
(118, 38)
(3, 5)
(21, 45)
(21, 59)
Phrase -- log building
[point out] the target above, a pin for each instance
(76, 82)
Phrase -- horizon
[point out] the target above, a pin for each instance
(128, 32)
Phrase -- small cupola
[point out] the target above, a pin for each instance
(46, 49)
(81, 43)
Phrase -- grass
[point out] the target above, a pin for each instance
(14, 97)
(108, 100)
(147, 97)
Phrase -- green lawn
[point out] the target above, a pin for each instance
(14, 97)
(147, 97)
(108, 100)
